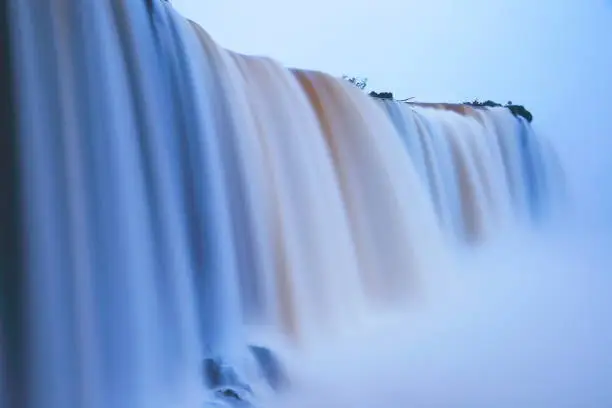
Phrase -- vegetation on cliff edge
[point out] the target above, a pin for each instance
(517, 110)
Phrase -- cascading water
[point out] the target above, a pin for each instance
(178, 200)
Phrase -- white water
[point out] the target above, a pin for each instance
(183, 200)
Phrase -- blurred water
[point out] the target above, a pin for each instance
(181, 201)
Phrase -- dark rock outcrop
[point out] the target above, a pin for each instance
(520, 110)
(517, 110)
(270, 367)
(233, 397)
(227, 388)
(218, 375)
(381, 95)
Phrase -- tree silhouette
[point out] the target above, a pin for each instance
(517, 110)
(381, 95)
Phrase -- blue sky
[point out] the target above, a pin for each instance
(436, 49)
(554, 56)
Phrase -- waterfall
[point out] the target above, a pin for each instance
(179, 200)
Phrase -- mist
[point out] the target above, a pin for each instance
(526, 324)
